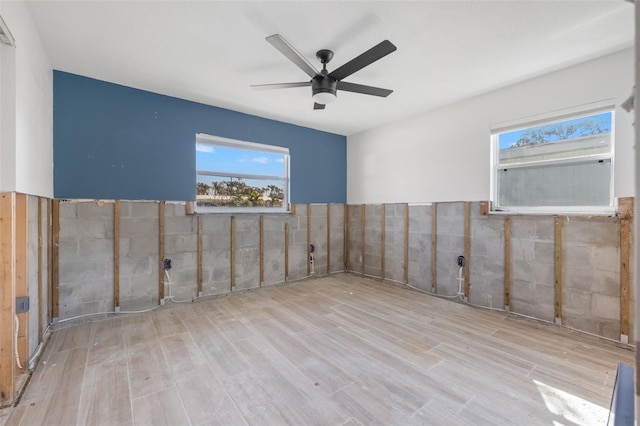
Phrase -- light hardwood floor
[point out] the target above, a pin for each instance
(327, 351)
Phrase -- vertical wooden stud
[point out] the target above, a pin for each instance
(382, 238)
(308, 239)
(558, 270)
(21, 248)
(286, 251)
(328, 238)
(49, 261)
(116, 255)
(507, 263)
(434, 247)
(199, 260)
(347, 231)
(7, 297)
(625, 279)
(190, 208)
(55, 260)
(363, 219)
(467, 248)
(261, 250)
(161, 250)
(406, 243)
(233, 252)
(40, 272)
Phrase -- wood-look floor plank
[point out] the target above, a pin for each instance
(161, 408)
(338, 350)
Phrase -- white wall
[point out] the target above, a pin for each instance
(444, 154)
(26, 104)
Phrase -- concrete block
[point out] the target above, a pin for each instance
(216, 242)
(216, 224)
(77, 229)
(96, 248)
(138, 227)
(144, 210)
(85, 270)
(543, 252)
(606, 258)
(90, 209)
(68, 211)
(68, 250)
(180, 225)
(138, 265)
(579, 256)
(523, 291)
(595, 233)
(607, 307)
(181, 243)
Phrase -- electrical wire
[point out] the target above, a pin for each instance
(17, 327)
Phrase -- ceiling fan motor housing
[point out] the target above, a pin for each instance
(324, 84)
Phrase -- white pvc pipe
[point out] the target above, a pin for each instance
(17, 326)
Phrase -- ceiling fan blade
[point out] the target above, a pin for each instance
(367, 58)
(280, 85)
(318, 106)
(294, 56)
(365, 90)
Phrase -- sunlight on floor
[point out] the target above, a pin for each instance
(573, 409)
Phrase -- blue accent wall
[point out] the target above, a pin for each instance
(116, 142)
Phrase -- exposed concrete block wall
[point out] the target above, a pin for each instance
(337, 237)
(247, 252)
(394, 242)
(319, 237)
(591, 288)
(355, 238)
(274, 249)
(298, 244)
(450, 245)
(487, 259)
(373, 240)
(216, 254)
(139, 255)
(86, 259)
(86, 252)
(420, 246)
(181, 246)
(532, 265)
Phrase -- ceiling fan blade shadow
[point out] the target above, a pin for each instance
(294, 56)
(378, 51)
(280, 85)
(365, 90)
(318, 106)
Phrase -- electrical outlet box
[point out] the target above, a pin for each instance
(22, 304)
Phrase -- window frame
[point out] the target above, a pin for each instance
(219, 141)
(546, 119)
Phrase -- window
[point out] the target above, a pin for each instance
(239, 176)
(555, 166)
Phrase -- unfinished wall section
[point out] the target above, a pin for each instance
(420, 246)
(355, 238)
(216, 258)
(394, 242)
(373, 240)
(86, 258)
(487, 259)
(450, 246)
(298, 244)
(319, 237)
(139, 255)
(247, 267)
(274, 249)
(532, 264)
(591, 287)
(337, 237)
(181, 245)
(34, 300)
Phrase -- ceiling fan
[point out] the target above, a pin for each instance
(325, 84)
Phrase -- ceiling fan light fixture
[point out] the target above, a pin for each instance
(324, 98)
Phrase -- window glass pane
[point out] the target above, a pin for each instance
(573, 138)
(235, 160)
(568, 184)
(216, 191)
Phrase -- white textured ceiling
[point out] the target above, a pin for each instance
(211, 51)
